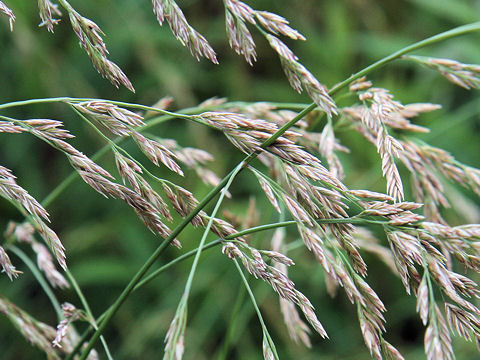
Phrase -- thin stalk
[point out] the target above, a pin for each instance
(178, 259)
(41, 280)
(80, 343)
(257, 309)
(251, 230)
(232, 324)
(88, 310)
(208, 227)
(181, 312)
(37, 101)
(458, 31)
(77, 100)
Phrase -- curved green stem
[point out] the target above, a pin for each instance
(257, 309)
(76, 100)
(461, 30)
(41, 280)
(232, 324)
(208, 227)
(88, 310)
(37, 101)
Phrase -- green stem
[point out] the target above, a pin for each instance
(78, 100)
(88, 310)
(251, 230)
(461, 30)
(182, 306)
(38, 101)
(255, 305)
(232, 324)
(209, 225)
(41, 280)
(185, 256)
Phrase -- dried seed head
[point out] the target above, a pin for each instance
(153, 198)
(53, 242)
(278, 280)
(199, 47)
(221, 120)
(157, 153)
(381, 111)
(317, 92)
(438, 344)
(297, 329)
(47, 9)
(370, 336)
(212, 102)
(267, 349)
(281, 49)
(90, 37)
(385, 209)
(391, 351)
(297, 211)
(405, 218)
(128, 170)
(174, 340)
(117, 120)
(463, 322)
(278, 257)
(48, 129)
(221, 228)
(145, 211)
(11, 17)
(277, 25)
(231, 250)
(464, 75)
(360, 84)
(241, 10)
(71, 314)
(327, 145)
(413, 110)
(366, 194)
(45, 263)
(299, 77)
(181, 199)
(423, 304)
(10, 127)
(35, 332)
(239, 38)
(268, 192)
(9, 189)
(7, 266)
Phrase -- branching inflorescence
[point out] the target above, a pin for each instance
(304, 180)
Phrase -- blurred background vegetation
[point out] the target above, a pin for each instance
(105, 241)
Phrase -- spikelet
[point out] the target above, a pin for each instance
(300, 78)
(47, 10)
(7, 11)
(90, 37)
(199, 47)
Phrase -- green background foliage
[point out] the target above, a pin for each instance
(106, 242)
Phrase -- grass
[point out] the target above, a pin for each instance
(335, 235)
